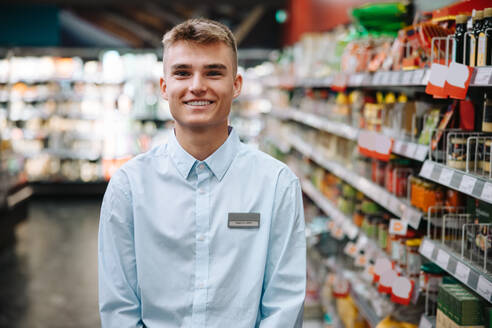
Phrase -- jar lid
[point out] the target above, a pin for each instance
(414, 242)
(431, 268)
(487, 12)
(461, 19)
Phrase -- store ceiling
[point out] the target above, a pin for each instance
(141, 24)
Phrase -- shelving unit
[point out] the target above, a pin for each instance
(467, 273)
(482, 77)
(384, 198)
(476, 186)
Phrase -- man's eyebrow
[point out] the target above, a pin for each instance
(216, 66)
(180, 66)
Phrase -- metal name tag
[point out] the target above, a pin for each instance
(244, 220)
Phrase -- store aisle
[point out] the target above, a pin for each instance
(50, 279)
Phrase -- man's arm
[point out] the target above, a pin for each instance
(119, 299)
(284, 287)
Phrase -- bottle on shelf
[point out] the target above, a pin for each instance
(484, 54)
(475, 33)
(459, 37)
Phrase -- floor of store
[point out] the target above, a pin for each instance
(49, 279)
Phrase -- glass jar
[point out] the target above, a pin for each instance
(413, 258)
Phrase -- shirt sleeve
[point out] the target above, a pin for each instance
(284, 289)
(119, 300)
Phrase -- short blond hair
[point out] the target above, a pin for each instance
(202, 31)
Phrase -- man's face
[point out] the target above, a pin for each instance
(199, 84)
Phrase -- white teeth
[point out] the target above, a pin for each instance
(199, 103)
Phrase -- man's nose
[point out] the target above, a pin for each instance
(198, 85)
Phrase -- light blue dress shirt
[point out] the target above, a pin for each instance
(167, 257)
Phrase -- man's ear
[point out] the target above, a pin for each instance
(238, 84)
(163, 86)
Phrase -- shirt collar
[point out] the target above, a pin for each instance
(219, 162)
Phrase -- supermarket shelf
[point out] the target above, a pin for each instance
(380, 195)
(365, 309)
(467, 183)
(283, 146)
(469, 274)
(481, 77)
(326, 206)
(404, 148)
(318, 122)
(410, 149)
(19, 196)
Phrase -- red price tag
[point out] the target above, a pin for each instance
(457, 80)
(437, 80)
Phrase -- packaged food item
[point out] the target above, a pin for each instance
(486, 162)
(487, 116)
(413, 258)
(430, 124)
(477, 28)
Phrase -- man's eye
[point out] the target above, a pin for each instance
(181, 73)
(214, 73)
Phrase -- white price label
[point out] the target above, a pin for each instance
(397, 146)
(467, 184)
(426, 78)
(395, 78)
(358, 79)
(484, 288)
(487, 192)
(417, 77)
(412, 216)
(421, 152)
(446, 176)
(462, 272)
(426, 170)
(442, 259)
(407, 78)
(424, 322)
(394, 205)
(385, 79)
(383, 199)
(427, 248)
(398, 227)
(352, 231)
(483, 75)
(411, 148)
(376, 78)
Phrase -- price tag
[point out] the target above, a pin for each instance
(484, 287)
(424, 322)
(394, 205)
(395, 78)
(426, 170)
(427, 248)
(442, 259)
(407, 78)
(351, 249)
(397, 146)
(412, 216)
(421, 153)
(482, 76)
(426, 77)
(462, 272)
(417, 77)
(385, 79)
(411, 148)
(398, 227)
(467, 184)
(446, 176)
(358, 79)
(487, 192)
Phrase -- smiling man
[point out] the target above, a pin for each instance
(203, 231)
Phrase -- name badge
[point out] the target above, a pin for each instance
(244, 220)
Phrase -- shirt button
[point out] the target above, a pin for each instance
(201, 285)
(201, 166)
(201, 237)
(201, 191)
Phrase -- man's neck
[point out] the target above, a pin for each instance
(201, 143)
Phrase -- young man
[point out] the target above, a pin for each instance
(203, 231)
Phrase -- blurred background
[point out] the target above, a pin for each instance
(79, 96)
